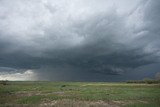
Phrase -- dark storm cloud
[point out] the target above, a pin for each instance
(79, 40)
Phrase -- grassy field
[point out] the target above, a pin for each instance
(79, 94)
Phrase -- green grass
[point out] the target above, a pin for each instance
(30, 100)
(35, 93)
(143, 105)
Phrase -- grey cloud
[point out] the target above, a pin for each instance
(78, 40)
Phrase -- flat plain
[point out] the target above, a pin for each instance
(78, 94)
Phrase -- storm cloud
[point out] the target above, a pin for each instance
(79, 40)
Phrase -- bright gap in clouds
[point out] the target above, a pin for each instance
(28, 75)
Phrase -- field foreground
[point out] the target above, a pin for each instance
(79, 94)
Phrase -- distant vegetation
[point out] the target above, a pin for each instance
(4, 82)
(145, 81)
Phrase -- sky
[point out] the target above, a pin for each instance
(79, 40)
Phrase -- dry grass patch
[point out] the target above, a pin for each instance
(74, 103)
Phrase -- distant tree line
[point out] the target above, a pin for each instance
(4, 82)
(147, 80)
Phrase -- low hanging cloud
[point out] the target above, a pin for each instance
(79, 39)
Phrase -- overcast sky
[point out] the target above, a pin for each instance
(79, 40)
